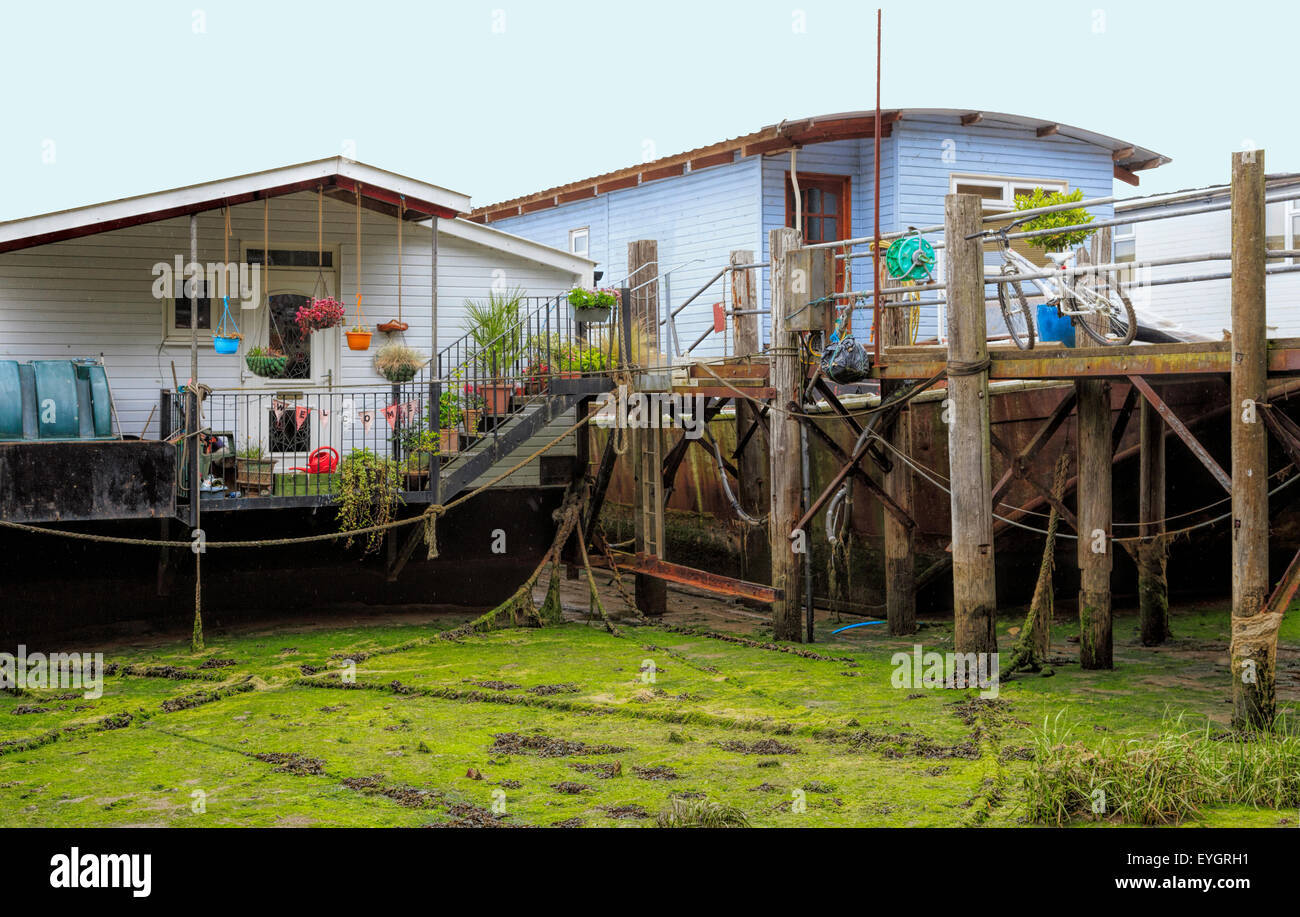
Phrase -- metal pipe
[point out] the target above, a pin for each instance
(1127, 221)
(1068, 272)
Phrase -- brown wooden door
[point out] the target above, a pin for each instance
(827, 206)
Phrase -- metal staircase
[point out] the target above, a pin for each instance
(535, 344)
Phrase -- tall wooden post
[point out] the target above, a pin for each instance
(1153, 585)
(1254, 633)
(752, 463)
(1094, 499)
(900, 578)
(785, 458)
(974, 590)
(651, 594)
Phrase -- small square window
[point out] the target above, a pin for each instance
(579, 241)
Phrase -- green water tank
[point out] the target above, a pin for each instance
(54, 400)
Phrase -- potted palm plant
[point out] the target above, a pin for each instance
(495, 331)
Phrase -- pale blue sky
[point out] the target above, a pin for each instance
(503, 97)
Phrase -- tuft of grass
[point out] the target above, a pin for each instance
(1162, 780)
(700, 813)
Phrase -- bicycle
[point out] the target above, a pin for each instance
(1107, 322)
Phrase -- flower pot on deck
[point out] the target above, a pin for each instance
(496, 398)
(254, 475)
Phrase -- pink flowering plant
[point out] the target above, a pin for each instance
(320, 315)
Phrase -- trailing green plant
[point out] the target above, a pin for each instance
(579, 356)
(1056, 241)
(494, 329)
(700, 813)
(369, 493)
(398, 362)
(1161, 780)
(603, 298)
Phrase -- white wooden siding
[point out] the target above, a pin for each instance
(700, 217)
(93, 296)
(1204, 307)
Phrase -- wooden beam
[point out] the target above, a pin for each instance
(785, 469)
(716, 159)
(1124, 175)
(1254, 633)
(1122, 153)
(969, 460)
(1184, 434)
(1094, 526)
(1145, 164)
(1048, 130)
(900, 567)
(1153, 581)
(1200, 358)
(974, 117)
(752, 485)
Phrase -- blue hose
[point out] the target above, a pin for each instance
(851, 626)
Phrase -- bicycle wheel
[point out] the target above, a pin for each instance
(1015, 311)
(1116, 325)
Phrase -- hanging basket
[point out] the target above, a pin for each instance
(267, 366)
(358, 339)
(392, 327)
(226, 345)
(321, 315)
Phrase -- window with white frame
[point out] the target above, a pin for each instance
(579, 241)
(176, 315)
(998, 194)
(1125, 244)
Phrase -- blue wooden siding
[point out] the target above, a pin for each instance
(931, 148)
(707, 214)
(697, 219)
(853, 158)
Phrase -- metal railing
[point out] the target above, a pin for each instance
(290, 443)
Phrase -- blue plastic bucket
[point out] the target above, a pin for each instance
(1053, 326)
(224, 344)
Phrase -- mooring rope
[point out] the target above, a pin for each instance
(427, 518)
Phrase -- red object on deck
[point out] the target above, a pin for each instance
(322, 461)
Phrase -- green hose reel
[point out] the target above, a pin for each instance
(910, 258)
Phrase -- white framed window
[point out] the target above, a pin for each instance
(1125, 241)
(998, 194)
(580, 241)
(176, 316)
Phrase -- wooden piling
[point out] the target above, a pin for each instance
(1254, 631)
(967, 413)
(1152, 554)
(785, 469)
(752, 462)
(900, 572)
(1094, 514)
(646, 445)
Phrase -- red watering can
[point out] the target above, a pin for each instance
(322, 461)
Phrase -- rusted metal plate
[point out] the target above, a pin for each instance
(700, 579)
(1199, 358)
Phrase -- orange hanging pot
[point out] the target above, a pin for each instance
(358, 338)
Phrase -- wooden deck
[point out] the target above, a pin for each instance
(1194, 359)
